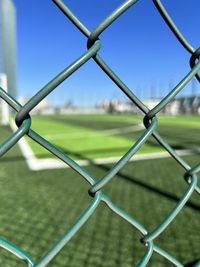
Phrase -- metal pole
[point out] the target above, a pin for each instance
(4, 106)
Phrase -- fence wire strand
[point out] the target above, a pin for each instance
(23, 121)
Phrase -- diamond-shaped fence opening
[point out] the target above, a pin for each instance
(23, 121)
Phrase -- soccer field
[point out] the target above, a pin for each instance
(102, 136)
(38, 207)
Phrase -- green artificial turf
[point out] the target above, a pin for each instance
(83, 137)
(38, 207)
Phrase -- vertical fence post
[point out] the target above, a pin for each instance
(4, 109)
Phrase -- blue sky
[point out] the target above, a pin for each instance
(138, 46)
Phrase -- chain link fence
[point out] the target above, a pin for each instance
(23, 121)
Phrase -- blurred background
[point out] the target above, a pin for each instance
(94, 123)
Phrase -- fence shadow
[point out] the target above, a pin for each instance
(192, 263)
(136, 181)
(150, 188)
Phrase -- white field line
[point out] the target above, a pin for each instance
(36, 164)
(26, 150)
(76, 135)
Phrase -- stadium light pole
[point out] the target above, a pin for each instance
(194, 87)
(4, 106)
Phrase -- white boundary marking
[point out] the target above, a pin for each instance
(36, 164)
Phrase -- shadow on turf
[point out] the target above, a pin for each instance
(69, 153)
(191, 264)
(130, 179)
(187, 145)
(137, 182)
(153, 189)
(11, 159)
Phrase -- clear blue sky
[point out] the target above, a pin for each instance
(138, 46)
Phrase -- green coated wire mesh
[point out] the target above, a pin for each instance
(23, 121)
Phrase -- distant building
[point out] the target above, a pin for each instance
(173, 108)
(8, 43)
(151, 103)
(178, 106)
(116, 106)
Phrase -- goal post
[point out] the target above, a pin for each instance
(4, 109)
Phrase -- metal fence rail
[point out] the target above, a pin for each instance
(23, 121)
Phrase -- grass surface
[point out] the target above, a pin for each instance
(38, 207)
(88, 136)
